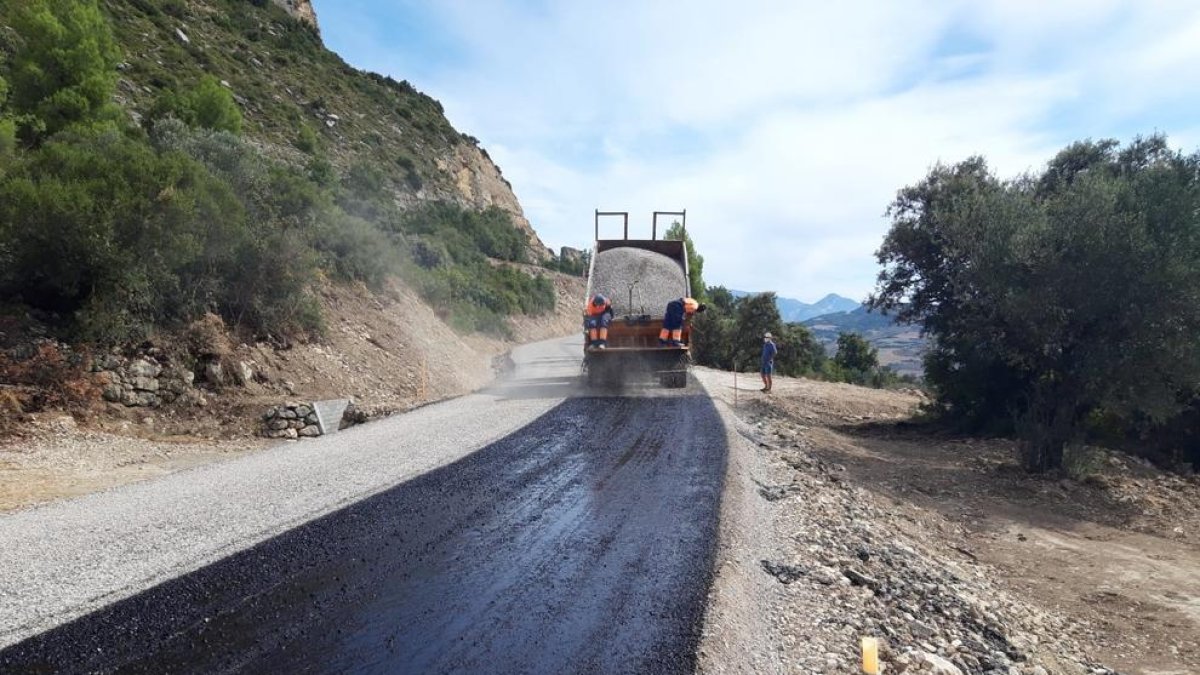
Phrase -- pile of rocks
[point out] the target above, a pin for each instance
(291, 420)
(651, 279)
(144, 381)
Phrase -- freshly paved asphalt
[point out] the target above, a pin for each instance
(579, 541)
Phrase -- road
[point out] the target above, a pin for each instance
(527, 528)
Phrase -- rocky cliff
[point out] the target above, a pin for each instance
(301, 9)
(478, 183)
(474, 180)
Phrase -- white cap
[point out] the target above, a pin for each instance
(768, 334)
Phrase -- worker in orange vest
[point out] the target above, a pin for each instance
(671, 334)
(599, 316)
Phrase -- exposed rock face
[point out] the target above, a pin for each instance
(479, 183)
(301, 9)
(571, 255)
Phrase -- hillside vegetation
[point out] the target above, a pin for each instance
(164, 159)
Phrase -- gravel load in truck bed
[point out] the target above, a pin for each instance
(656, 280)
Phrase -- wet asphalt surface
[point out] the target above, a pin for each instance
(582, 543)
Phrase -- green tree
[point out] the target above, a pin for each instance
(756, 314)
(695, 261)
(1057, 297)
(99, 229)
(64, 72)
(855, 354)
(800, 353)
(713, 330)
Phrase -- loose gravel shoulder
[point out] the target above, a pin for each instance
(813, 561)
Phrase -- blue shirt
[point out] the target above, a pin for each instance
(769, 350)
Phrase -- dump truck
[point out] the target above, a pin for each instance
(639, 277)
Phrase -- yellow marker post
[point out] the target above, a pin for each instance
(870, 653)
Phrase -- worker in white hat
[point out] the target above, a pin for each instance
(768, 360)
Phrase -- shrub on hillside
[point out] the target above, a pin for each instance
(468, 234)
(64, 71)
(208, 105)
(354, 250)
(116, 238)
(306, 140)
(479, 297)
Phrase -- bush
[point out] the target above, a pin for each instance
(479, 296)
(109, 234)
(355, 250)
(209, 106)
(306, 140)
(575, 268)
(8, 127)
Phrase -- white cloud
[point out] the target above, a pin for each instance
(785, 127)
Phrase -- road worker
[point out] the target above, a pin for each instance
(599, 316)
(767, 367)
(671, 334)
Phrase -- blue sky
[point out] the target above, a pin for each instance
(784, 127)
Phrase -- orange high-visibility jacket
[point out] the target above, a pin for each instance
(597, 310)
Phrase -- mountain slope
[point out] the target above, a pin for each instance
(286, 81)
(319, 230)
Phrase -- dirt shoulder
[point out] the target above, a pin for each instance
(950, 554)
(389, 352)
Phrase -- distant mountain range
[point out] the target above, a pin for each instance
(796, 311)
(900, 346)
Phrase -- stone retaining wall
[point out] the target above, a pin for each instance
(291, 420)
(145, 382)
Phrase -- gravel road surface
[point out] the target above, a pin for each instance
(528, 528)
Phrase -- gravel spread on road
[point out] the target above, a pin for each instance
(68, 558)
(581, 543)
(655, 279)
